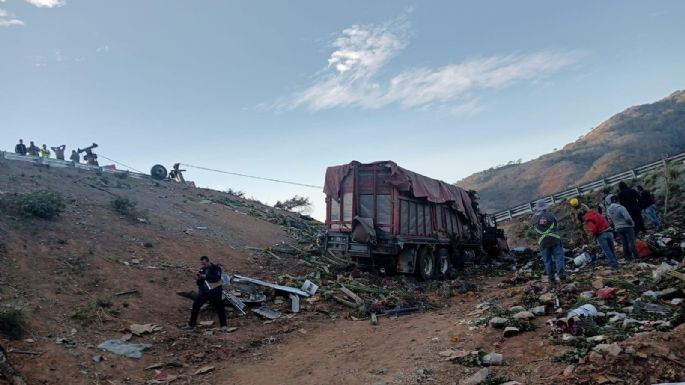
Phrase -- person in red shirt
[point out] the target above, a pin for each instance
(599, 227)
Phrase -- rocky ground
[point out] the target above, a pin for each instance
(94, 274)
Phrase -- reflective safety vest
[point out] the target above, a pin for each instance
(547, 233)
(44, 153)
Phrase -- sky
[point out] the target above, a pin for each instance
(284, 89)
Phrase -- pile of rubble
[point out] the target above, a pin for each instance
(599, 313)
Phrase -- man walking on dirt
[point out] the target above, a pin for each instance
(545, 224)
(209, 283)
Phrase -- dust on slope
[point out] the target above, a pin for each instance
(54, 269)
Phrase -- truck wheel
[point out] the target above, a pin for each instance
(158, 172)
(426, 265)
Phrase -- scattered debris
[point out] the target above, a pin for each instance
(476, 379)
(267, 312)
(204, 370)
(511, 331)
(138, 329)
(123, 348)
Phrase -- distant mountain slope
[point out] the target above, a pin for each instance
(635, 136)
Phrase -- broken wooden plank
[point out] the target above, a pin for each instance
(27, 352)
(126, 292)
(345, 302)
(352, 295)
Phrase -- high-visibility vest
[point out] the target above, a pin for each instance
(547, 233)
(44, 153)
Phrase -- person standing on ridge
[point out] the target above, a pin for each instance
(545, 224)
(59, 151)
(20, 148)
(44, 152)
(75, 157)
(33, 150)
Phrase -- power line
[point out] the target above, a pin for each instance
(121, 164)
(253, 177)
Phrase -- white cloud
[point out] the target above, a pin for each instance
(353, 75)
(102, 49)
(47, 3)
(8, 19)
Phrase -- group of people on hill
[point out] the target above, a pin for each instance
(619, 213)
(44, 152)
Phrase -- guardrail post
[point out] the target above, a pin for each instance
(634, 174)
(2, 154)
(554, 201)
(577, 191)
(509, 213)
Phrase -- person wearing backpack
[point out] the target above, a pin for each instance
(209, 283)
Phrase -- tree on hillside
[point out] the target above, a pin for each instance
(297, 203)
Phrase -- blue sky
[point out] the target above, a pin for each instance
(285, 89)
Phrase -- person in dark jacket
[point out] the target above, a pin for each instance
(75, 157)
(545, 224)
(630, 199)
(649, 206)
(209, 283)
(600, 228)
(20, 148)
(33, 150)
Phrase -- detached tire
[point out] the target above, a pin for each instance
(158, 172)
(425, 265)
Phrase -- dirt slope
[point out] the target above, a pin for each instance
(638, 135)
(54, 270)
(52, 267)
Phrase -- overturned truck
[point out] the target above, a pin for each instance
(383, 216)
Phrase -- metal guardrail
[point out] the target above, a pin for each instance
(69, 164)
(527, 208)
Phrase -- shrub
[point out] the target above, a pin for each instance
(235, 193)
(42, 204)
(296, 203)
(98, 311)
(12, 324)
(123, 205)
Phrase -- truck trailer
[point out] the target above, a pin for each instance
(383, 216)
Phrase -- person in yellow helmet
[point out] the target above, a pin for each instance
(578, 207)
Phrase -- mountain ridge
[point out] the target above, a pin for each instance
(637, 135)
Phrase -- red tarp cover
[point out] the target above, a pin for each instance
(404, 180)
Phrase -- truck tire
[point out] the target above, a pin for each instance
(425, 265)
(158, 172)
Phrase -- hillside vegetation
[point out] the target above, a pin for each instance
(638, 135)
